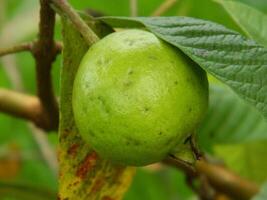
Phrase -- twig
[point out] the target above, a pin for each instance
(226, 181)
(164, 7)
(21, 105)
(219, 178)
(45, 52)
(184, 166)
(25, 47)
(89, 36)
(16, 49)
(133, 8)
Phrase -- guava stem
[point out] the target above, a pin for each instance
(219, 178)
(65, 9)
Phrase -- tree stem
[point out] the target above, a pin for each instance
(89, 36)
(20, 105)
(45, 51)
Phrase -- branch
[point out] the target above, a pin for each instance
(16, 49)
(182, 165)
(219, 178)
(165, 6)
(45, 52)
(226, 181)
(21, 105)
(25, 47)
(65, 9)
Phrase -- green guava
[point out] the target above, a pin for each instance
(137, 98)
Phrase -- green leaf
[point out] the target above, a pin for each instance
(230, 120)
(250, 20)
(23, 191)
(245, 159)
(235, 60)
(262, 194)
(164, 183)
(84, 175)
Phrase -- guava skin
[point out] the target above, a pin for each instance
(136, 98)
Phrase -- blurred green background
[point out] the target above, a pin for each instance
(233, 132)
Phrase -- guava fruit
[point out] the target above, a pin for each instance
(137, 98)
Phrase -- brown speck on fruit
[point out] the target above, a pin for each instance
(130, 72)
(130, 42)
(152, 57)
(102, 61)
(132, 141)
(146, 109)
(136, 142)
(103, 104)
(127, 83)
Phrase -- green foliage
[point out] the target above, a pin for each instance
(30, 168)
(246, 159)
(263, 193)
(23, 191)
(158, 184)
(252, 21)
(230, 120)
(259, 4)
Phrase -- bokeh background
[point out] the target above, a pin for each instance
(232, 132)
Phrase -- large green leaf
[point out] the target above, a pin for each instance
(262, 194)
(235, 60)
(259, 4)
(161, 184)
(230, 120)
(252, 21)
(245, 159)
(23, 191)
